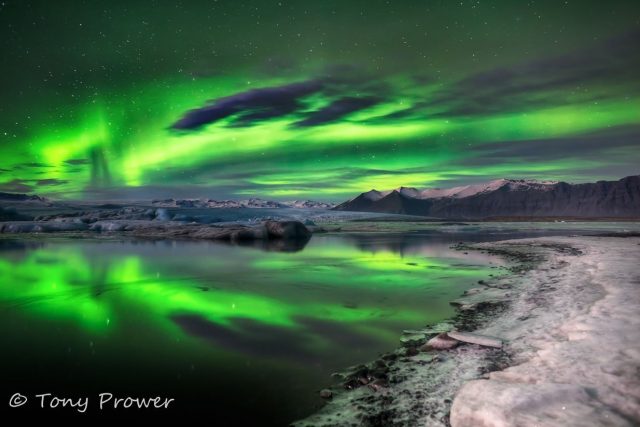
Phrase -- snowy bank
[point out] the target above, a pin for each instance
(574, 341)
(569, 316)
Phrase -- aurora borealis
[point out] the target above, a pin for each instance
(320, 100)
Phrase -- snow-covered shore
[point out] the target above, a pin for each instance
(574, 341)
(570, 318)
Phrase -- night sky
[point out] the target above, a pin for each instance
(319, 100)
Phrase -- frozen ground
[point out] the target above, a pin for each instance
(574, 339)
(570, 318)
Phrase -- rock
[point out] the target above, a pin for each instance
(413, 340)
(440, 342)
(411, 351)
(381, 363)
(309, 222)
(377, 385)
(287, 230)
(484, 297)
(411, 332)
(483, 340)
(326, 393)
(438, 328)
(248, 234)
(380, 372)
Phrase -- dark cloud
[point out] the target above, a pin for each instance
(545, 82)
(337, 109)
(255, 104)
(345, 86)
(16, 186)
(31, 165)
(51, 181)
(591, 145)
(26, 186)
(74, 162)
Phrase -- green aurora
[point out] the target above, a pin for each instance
(313, 100)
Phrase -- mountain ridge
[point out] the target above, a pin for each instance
(507, 197)
(460, 191)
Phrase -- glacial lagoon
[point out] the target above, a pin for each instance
(240, 332)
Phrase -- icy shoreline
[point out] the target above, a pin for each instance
(573, 338)
(570, 316)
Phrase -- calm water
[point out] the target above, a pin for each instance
(237, 331)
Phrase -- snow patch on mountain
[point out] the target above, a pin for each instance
(465, 190)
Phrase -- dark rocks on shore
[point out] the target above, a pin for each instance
(287, 230)
(326, 394)
(377, 385)
(413, 340)
(375, 375)
(411, 351)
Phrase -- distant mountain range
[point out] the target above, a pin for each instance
(190, 203)
(508, 198)
(249, 203)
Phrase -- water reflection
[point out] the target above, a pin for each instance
(273, 245)
(227, 310)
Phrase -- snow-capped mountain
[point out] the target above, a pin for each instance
(463, 191)
(507, 197)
